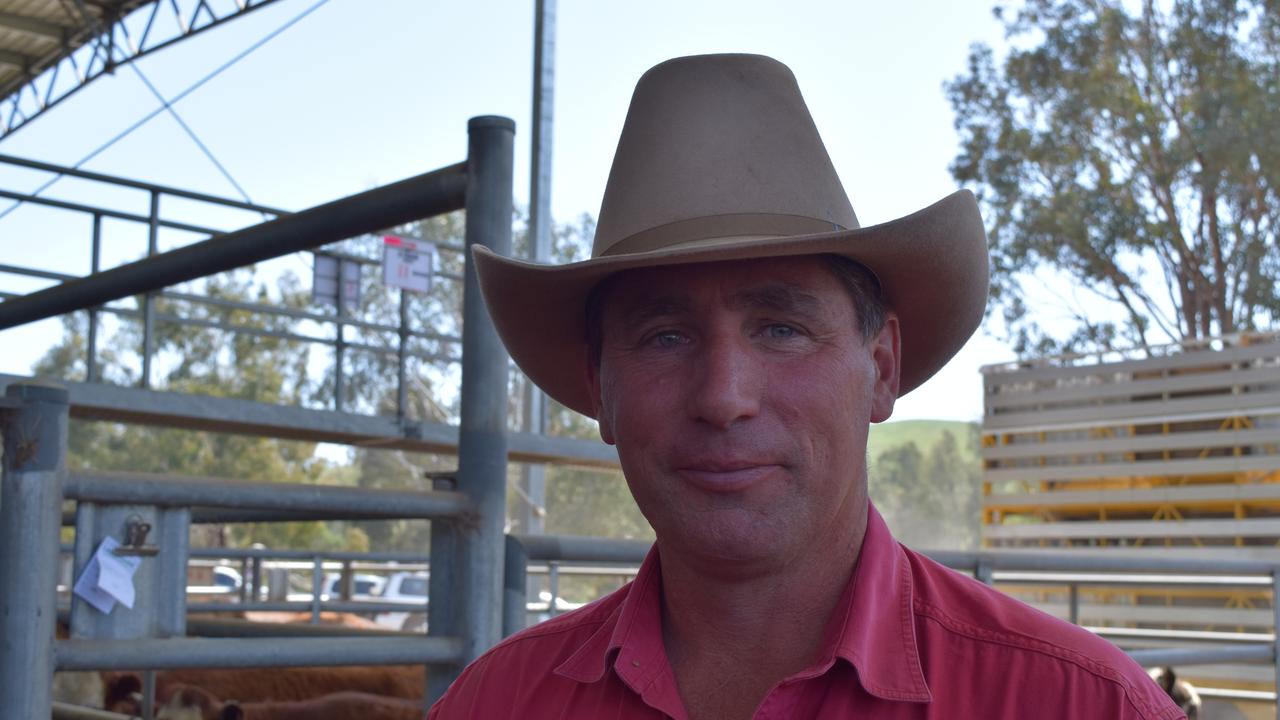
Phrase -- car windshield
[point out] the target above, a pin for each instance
(414, 586)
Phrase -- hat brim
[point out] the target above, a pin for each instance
(932, 268)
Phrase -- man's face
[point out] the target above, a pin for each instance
(739, 395)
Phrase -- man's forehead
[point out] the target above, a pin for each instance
(799, 283)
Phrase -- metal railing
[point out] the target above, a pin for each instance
(466, 616)
(1008, 569)
(333, 323)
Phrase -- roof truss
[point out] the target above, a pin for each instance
(49, 49)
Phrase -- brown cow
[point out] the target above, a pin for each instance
(123, 690)
(350, 620)
(189, 703)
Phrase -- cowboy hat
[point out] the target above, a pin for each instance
(720, 160)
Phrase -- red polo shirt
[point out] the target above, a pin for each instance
(909, 639)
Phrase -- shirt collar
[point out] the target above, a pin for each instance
(872, 628)
(877, 634)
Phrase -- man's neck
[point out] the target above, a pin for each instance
(733, 638)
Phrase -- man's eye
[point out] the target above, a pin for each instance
(667, 339)
(780, 331)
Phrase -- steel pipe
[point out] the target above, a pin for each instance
(34, 423)
(167, 653)
(580, 548)
(418, 197)
(139, 488)
(1152, 657)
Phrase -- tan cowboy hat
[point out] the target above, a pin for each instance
(720, 160)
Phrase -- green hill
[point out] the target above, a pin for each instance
(924, 433)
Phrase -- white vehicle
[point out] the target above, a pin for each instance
(363, 586)
(410, 589)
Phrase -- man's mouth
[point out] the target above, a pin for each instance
(725, 475)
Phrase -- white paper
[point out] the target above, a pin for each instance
(108, 578)
(87, 588)
(115, 574)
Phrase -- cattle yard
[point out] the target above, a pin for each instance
(1132, 495)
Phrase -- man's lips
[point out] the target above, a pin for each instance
(725, 475)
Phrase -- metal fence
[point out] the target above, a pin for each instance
(410, 341)
(468, 512)
(1008, 570)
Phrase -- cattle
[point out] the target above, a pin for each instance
(1183, 693)
(190, 703)
(123, 690)
(349, 620)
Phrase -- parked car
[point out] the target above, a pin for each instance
(410, 589)
(227, 577)
(364, 586)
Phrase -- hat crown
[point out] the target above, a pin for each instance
(718, 147)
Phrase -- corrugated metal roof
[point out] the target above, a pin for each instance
(36, 34)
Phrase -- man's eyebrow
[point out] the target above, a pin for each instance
(655, 307)
(783, 298)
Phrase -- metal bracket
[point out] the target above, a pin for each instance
(135, 538)
(442, 479)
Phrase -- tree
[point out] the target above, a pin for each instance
(206, 361)
(1137, 154)
(931, 498)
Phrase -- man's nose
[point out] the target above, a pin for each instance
(727, 382)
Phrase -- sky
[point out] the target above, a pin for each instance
(361, 93)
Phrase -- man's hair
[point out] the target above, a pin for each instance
(869, 303)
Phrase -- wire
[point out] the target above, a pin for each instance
(192, 134)
(198, 84)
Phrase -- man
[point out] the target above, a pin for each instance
(735, 334)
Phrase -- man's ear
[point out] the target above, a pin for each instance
(886, 354)
(592, 373)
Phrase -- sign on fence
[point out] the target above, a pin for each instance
(408, 264)
(325, 285)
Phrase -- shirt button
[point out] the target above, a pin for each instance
(635, 663)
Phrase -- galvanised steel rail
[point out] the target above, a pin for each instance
(466, 616)
(426, 195)
(988, 567)
(147, 314)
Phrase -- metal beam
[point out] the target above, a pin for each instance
(33, 26)
(1203, 656)
(80, 51)
(145, 488)
(160, 654)
(136, 184)
(111, 403)
(418, 197)
(577, 548)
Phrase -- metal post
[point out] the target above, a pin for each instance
(442, 614)
(317, 586)
(402, 351)
(91, 352)
(340, 342)
(148, 308)
(1275, 643)
(514, 587)
(1073, 607)
(255, 582)
(553, 587)
(160, 581)
(540, 224)
(482, 441)
(982, 572)
(34, 422)
(247, 580)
